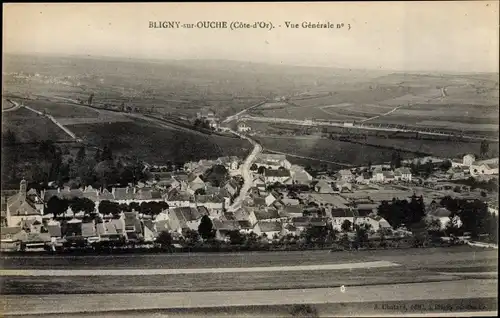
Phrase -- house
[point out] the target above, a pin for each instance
(269, 229)
(365, 209)
(12, 238)
(266, 214)
(231, 163)
(232, 187)
(245, 214)
(21, 207)
(345, 175)
(458, 172)
(388, 176)
(364, 178)
(323, 187)
(444, 216)
(195, 183)
(214, 204)
(291, 211)
(272, 161)
(403, 174)
(89, 232)
(55, 231)
(133, 226)
(223, 228)
(187, 217)
(260, 183)
(272, 197)
(468, 160)
(300, 175)
(279, 175)
(149, 231)
(243, 127)
(378, 175)
(484, 169)
(339, 216)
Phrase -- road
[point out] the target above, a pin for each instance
(245, 171)
(11, 109)
(44, 304)
(237, 115)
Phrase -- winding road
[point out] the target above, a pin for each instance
(245, 171)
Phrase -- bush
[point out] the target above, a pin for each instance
(304, 311)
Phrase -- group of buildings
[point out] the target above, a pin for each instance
(284, 199)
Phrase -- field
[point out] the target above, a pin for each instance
(28, 126)
(157, 145)
(360, 154)
(462, 102)
(179, 87)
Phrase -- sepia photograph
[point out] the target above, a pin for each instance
(280, 159)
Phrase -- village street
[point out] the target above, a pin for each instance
(245, 172)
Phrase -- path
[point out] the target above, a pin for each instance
(101, 303)
(11, 109)
(65, 129)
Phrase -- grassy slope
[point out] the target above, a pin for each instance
(158, 145)
(28, 126)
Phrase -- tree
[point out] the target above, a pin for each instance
(10, 138)
(316, 234)
(97, 155)
(200, 191)
(106, 154)
(164, 239)
(346, 226)
(206, 228)
(108, 207)
(253, 167)
(82, 204)
(56, 206)
(261, 170)
(396, 160)
(192, 237)
(236, 238)
(484, 148)
(80, 156)
(445, 165)
(362, 234)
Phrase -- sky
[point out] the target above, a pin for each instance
(408, 36)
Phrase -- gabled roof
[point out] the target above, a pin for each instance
(265, 214)
(187, 214)
(124, 193)
(226, 225)
(277, 173)
(440, 212)
(270, 226)
(245, 225)
(342, 213)
(88, 229)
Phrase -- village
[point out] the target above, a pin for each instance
(284, 203)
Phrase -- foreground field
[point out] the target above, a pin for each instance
(454, 276)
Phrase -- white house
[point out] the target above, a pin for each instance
(484, 169)
(345, 175)
(280, 175)
(469, 159)
(272, 161)
(403, 174)
(21, 207)
(243, 127)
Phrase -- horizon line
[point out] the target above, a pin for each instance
(159, 59)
